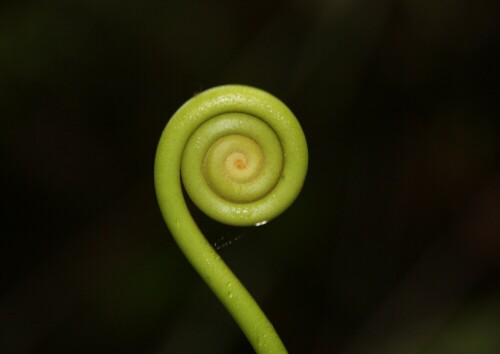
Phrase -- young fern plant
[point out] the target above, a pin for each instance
(242, 157)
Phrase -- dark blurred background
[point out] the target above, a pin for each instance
(393, 245)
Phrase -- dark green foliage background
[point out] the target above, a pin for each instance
(393, 246)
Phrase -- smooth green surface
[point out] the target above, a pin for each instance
(238, 108)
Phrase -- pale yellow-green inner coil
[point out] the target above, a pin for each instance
(231, 159)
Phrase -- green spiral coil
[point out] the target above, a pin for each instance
(242, 157)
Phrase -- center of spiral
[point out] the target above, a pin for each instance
(233, 167)
(233, 159)
(240, 162)
(237, 159)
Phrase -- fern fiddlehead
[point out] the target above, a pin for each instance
(242, 157)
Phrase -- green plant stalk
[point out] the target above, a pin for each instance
(243, 160)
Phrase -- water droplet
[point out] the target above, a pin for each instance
(263, 343)
(229, 292)
(260, 343)
(260, 223)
